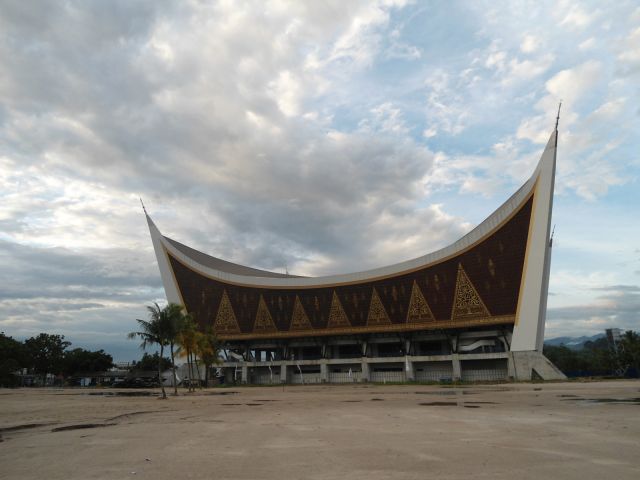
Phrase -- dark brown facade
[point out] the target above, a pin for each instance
(479, 286)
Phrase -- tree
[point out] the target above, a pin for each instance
(209, 351)
(175, 317)
(150, 362)
(46, 353)
(79, 360)
(154, 331)
(12, 358)
(188, 340)
(630, 351)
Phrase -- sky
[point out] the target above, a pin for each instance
(313, 137)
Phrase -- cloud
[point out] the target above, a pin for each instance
(530, 43)
(324, 136)
(616, 309)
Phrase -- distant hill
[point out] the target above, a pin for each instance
(574, 343)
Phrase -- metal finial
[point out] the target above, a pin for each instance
(558, 117)
(142, 203)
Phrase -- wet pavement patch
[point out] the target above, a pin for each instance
(377, 399)
(254, 404)
(126, 415)
(450, 392)
(82, 426)
(123, 394)
(482, 403)
(633, 401)
(24, 426)
(471, 406)
(222, 393)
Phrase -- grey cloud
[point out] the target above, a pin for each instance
(618, 308)
(619, 288)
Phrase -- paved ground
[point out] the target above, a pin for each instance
(543, 431)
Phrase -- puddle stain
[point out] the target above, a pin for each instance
(82, 426)
(122, 394)
(24, 426)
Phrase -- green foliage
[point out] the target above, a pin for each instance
(597, 357)
(630, 350)
(160, 329)
(79, 360)
(12, 359)
(45, 353)
(150, 362)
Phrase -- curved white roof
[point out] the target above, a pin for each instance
(238, 274)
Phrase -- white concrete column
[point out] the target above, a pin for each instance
(283, 374)
(408, 369)
(365, 370)
(457, 370)
(511, 367)
(324, 371)
(245, 374)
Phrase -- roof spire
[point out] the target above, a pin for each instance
(144, 209)
(558, 117)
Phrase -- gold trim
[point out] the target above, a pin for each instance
(337, 315)
(226, 318)
(399, 327)
(370, 279)
(264, 320)
(377, 313)
(417, 297)
(462, 279)
(299, 317)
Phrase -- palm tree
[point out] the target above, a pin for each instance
(154, 331)
(208, 348)
(175, 317)
(187, 340)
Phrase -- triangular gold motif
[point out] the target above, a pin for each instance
(467, 304)
(337, 317)
(226, 321)
(418, 311)
(377, 313)
(264, 321)
(299, 319)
